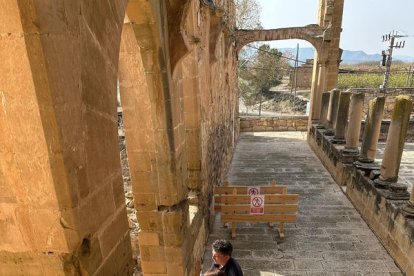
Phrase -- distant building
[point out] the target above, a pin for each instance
(304, 75)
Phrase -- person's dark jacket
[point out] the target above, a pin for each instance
(231, 268)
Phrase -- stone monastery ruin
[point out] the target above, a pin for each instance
(62, 203)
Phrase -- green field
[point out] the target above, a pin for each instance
(372, 76)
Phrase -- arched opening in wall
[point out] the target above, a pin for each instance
(132, 97)
(126, 179)
(275, 81)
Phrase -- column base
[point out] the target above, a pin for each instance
(329, 132)
(338, 140)
(408, 210)
(382, 184)
(351, 151)
(366, 164)
(392, 190)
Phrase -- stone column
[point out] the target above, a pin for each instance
(395, 143)
(372, 130)
(342, 117)
(324, 110)
(332, 110)
(319, 89)
(354, 124)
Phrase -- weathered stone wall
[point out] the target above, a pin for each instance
(279, 123)
(62, 202)
(180, 130)
(304, 75)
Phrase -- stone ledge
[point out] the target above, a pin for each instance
(275, 123)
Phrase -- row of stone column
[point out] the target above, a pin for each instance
(341, 114)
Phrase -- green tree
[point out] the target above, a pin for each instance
(258, 74)
(248, 14)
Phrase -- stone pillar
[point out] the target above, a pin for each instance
(320, 88)
(395, 143)
(372, 130)
(354, 124)
(332, 110)
(342, 117)
(324, 110)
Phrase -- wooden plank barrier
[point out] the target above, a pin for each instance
(272, 205)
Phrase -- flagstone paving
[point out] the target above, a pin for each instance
(329, 237)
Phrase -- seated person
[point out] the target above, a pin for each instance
(221, 250)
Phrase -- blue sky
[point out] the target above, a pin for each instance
(364, 22)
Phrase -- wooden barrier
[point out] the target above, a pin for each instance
(273, 204)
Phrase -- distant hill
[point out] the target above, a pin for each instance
(348, 57)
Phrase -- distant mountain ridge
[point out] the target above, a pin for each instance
(348, 57)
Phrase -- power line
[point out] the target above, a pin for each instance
(265, 69)
(278, 55)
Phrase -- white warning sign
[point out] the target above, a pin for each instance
(251, 190)
(257, 204)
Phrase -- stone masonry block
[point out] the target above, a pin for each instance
(12, 237)
(172, 221)
(90, 217)
(172, 226)
(145, 201)
(174, 254)
(120, 261)
(175, 269)
(117, 228)
(149, 220)
(259, 128)
(244, 124)
(143, 182)
(152, 253)
(141, 161)
(173, 239)
(100, 163)
(31, 264)
(147, 238)
(154, 267)
(32, 226)
(118, 191)
(282, 123)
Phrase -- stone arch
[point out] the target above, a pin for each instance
(313, 33)
(324, 36)
(156, 37)
(63, 182)
(65, 203)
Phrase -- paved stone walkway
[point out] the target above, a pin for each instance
(329, 238)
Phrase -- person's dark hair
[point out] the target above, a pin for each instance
(223, 247)
(214, 272)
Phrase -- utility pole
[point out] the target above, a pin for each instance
(407, 83)
(260, 102)
(296, 74)
(387, 56)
